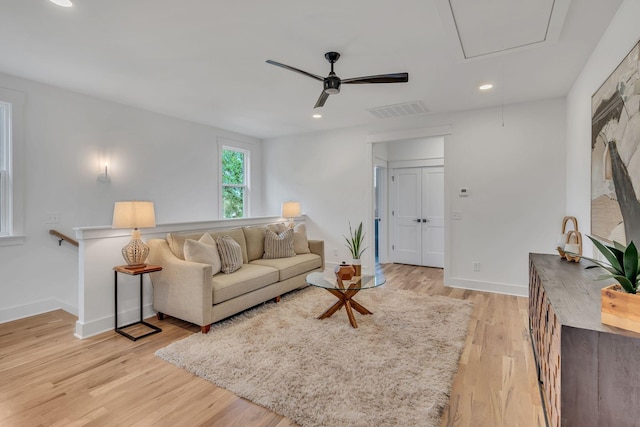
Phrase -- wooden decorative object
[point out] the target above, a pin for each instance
(345, 271)
(357, 269)
(574, 238)
(561, 242)
(620, 309)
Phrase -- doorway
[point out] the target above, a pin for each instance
(418, 216)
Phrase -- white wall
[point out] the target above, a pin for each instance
(621, 35)
(415, 149)
(152, 157)
(515, 175)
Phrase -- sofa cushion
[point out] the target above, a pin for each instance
(238, 235)
(255, 241)
(204, 250)
(290, 267)
(300, 240)
(278, 245)
(248, 278)
(176, 240)
(230, 254)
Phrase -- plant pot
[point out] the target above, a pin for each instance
(620, 309)
(356, 263)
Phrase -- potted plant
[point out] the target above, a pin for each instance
(354, 244)
(620, 301)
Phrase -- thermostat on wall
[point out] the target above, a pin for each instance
(464, 192)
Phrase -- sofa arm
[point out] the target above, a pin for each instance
(317, 247)
(183, 289)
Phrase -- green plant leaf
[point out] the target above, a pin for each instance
(601, 264)
(631, 264)
(626, 284)
(613, 260)
(619, 246)
(355, 240)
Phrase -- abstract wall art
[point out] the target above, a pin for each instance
(615, 154)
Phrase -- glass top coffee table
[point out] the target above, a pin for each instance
(345, 290)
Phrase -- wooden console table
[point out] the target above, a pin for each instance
(589, 373)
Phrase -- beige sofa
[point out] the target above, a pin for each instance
(189, 291)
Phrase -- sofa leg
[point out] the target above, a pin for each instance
(160, 316)
(277, 299)
(205, 329)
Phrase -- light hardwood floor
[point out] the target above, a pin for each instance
(50, 378)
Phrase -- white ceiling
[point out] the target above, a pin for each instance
(204, 60)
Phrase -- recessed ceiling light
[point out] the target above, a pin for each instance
(485, 86)
(63, 3)
(317, 116)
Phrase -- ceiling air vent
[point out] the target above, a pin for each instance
(398, 110)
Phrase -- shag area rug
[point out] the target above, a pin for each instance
(395, 369)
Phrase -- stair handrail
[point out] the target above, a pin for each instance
(64, 237)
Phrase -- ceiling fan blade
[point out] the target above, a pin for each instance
(381, 78)
(313, 76)
(322, 99)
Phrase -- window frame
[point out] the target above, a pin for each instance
(247, 179)
(12, 177)
(5, 169)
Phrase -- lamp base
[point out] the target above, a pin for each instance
(135, 253)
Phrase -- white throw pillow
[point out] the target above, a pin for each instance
(204, 251)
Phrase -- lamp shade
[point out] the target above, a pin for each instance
(291, 209)
(133, 214)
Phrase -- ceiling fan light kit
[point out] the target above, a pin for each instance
(331, 84)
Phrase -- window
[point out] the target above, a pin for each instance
(11, 167)
(234, 189)
(5, 156)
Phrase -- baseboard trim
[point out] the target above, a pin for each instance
(18, 312)
(497, 288)
(98, 326)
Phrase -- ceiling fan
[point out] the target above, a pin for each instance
(332, 82)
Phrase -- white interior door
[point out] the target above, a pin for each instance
(433, 217)
(407, 183)
(418, 216)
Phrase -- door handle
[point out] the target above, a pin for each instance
(417, 220)
(425, 219)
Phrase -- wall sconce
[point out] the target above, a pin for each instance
(291, 210)
(104, 176)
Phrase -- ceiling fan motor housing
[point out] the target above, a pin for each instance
(332, 84)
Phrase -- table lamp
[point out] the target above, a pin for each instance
(134, 214)
(291, 210)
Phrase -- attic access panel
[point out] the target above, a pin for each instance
(498, 26)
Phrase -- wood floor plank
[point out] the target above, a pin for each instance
(50, 378)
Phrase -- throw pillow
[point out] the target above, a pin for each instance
(204, 251)
(278, 245)
(230, 254)
(300, 241)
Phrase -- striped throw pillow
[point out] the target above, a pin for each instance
(278, 245)
(230, 254)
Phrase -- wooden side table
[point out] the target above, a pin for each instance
(141, 271)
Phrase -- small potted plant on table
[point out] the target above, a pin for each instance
(620, 301)
(354, 244)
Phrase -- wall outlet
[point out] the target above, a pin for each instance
(476, 266)
(335, 252)
(52, 218)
